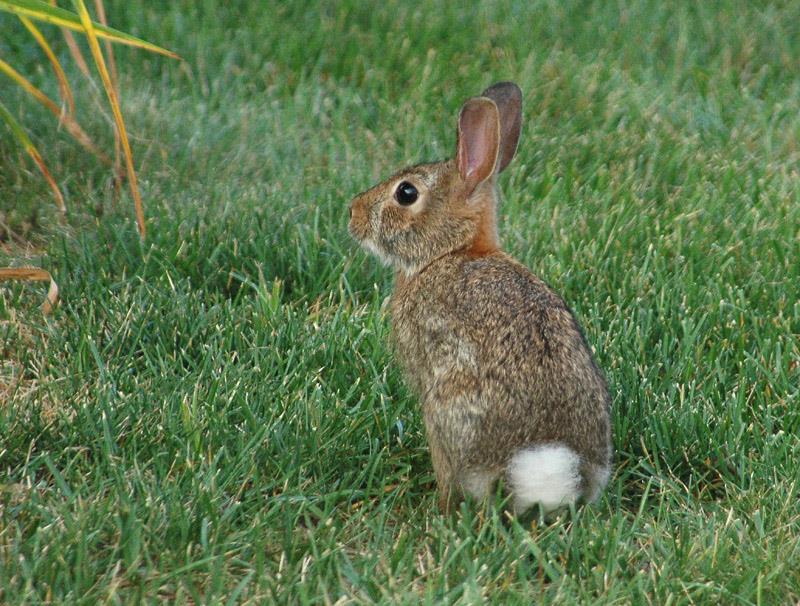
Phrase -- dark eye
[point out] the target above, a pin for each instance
(406, 194)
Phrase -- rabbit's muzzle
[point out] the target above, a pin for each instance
(359, 225)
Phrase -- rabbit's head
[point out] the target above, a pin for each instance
(429, 210)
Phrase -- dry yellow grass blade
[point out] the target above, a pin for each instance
(112, 64)
(63, 85)
(34, 274)
(69, 122)
(74, 49)
(97, 54)
(52, 13)
(29, 88)
(118, 171)
(37, 158)
(30, 148)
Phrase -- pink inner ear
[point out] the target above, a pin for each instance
(478, 141)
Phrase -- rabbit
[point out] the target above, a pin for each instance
(507, 384)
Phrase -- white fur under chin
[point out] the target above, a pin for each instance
(408, 270)
(548, 475)
(372, 247)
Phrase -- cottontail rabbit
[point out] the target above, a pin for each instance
(507, 383)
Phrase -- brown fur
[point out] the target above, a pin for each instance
(494, 355)
(485, 241)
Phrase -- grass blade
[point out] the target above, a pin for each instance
(63, 84)
(29, 87)
(94, 47)
(34, 274)
(42, 11)
(69, 122)
(74, 49)
(30, 148)
(112, 64)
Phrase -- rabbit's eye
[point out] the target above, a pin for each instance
(406, 194)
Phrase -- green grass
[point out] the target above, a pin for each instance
(215, 417)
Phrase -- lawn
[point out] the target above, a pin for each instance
(214, 415)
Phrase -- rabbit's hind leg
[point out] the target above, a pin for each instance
(597, 477)
(478, 483)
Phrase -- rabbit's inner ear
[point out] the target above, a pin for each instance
(478, 141)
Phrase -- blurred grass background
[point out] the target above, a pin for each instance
(214, 415)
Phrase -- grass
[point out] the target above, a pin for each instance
(214, 416)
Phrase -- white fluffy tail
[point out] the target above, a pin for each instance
(548, 475)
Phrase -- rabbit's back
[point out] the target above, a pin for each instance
(499, 359)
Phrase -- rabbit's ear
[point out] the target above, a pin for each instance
(508, 98)
(478, 141)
